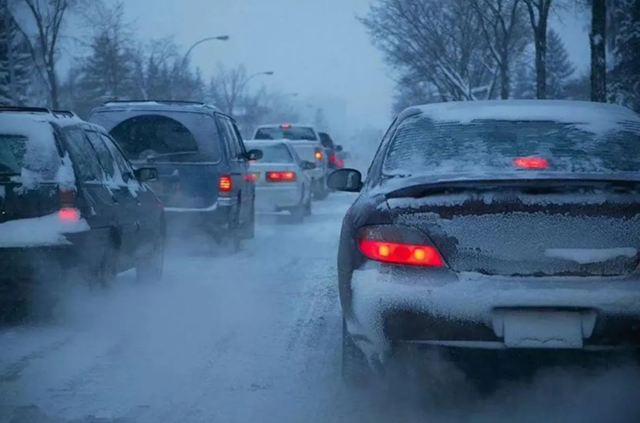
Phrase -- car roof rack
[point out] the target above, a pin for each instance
(24, 109)
(200, 103)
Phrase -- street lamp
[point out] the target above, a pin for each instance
(197, 43)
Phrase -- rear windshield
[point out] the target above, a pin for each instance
(306, 152)
(38, 156)
(326, 140)
(292, 133)
(168, 134)
(421, 146)
(277, 153)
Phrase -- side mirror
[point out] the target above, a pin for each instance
(146, 174)
(307, 165)
(338, 148)
(349, 180)
(254, 154)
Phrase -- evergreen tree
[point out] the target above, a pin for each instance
(625, 75)
(524, 79)
(14, 53)
(559, 67)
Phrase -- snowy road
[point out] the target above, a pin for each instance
(252, 337)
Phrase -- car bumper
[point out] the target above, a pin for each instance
(272, 199)
(391, 306)
(215, 218)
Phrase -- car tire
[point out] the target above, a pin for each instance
(151, 268)
(355, 368)
(321, 191)
(248, 230)
(308, 207)
(297, 213)
(107, 269)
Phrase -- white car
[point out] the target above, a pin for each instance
(281, 179)
(306, 140)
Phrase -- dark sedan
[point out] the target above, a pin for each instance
(497, 225)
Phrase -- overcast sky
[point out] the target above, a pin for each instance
(313, 46)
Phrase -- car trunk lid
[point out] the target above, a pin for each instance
(260, 170)
(532, 228)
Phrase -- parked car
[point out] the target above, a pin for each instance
(496, 225)
(201, 159)
(70, 203)
(281, 178)
(306, 140)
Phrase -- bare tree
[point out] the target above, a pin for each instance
(539, 16)
(503, 24)
(597, 38)
(435, 42)
(228, 87)
(48, 17)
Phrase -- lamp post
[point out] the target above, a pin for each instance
(197, 43)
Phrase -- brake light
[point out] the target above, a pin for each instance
(67, 210)
(340, 163)
(332, 158)
(285, 126)
(276, 176)
(251, 177)
(530, 162)
(401, 253)
(224, 183)
(68, 214)
(318, 154)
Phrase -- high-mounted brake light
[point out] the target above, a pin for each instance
(400, 253)
(276, 176)
(530, 162)
(224, 183)
(285, 126)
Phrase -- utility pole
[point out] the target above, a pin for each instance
(8, 25)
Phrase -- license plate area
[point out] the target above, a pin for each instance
(543, 328)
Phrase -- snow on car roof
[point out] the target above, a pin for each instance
(591, 116)
(293, 125)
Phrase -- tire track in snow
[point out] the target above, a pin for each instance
(14, 371)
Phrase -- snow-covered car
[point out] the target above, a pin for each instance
(201, 160)
(70, 203)
(307, 142)
(494, 225)
(281, 178)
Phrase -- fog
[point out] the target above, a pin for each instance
(255, 336)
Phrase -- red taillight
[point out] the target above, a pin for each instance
(340, 163)
(275, 176)
(332, 158)
(285, 126)
(67, 211)
(251, 177)
(224, 183)
(400, 253)
(530, 162)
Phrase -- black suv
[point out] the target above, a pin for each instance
(204, 179)
(70, 202)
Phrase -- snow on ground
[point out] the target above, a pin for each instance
(251, 337)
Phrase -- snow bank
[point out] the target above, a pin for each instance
(473, 297)
(591, 117)
(38, 232)
(586, 255)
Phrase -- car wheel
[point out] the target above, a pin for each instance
(107, 268)
(355, 368)
(308, 207)
(248, 230)
(297, 213)
(321, 192)
(151, 268)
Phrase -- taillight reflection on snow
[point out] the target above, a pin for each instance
(400, 253)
